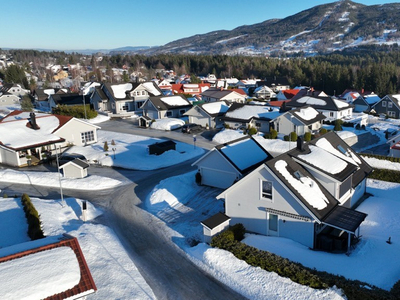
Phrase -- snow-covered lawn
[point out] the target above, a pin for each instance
(114, 273)
(51, 179)
(131, 152)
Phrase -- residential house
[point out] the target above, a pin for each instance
(165, 107)
(208, 114)
(219, 94)
(41, 97)
(37, 136)
(394, 145)
(286, 94)
(388, 105)
(264, 92)
(125, 98)
(306, 195)
(333, 109)
(249, 115)
(227, 163)
(14, 89)
(42, 266)
(190, 88)
(276, 84)
(299, 120)
(7, 99)
(69, 99)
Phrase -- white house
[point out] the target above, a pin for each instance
(300, 120)
(306, 194)
(227, 163)
(166, 107)
(37, 136)
(219, 94)
(207, 114)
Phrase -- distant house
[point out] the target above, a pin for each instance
(124, 98)
(219, 94)
(41, 97)
(7, 99)
(208, 114)
(286, 94)
(333, 109)
(69, 99)
(388, 105)
(14, 89)
(42, 266)
(264, 92)
(276, 84)
(299, 120)
(306, 195)
(75, 169)
(165, 107)
(37, 136)
(248, 115)
(227, 163)
(190, 88)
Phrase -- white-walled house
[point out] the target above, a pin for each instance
(220, 94)
(37, 136)
(333, 109)
(165, 107)
(227, 163)
(306, 195)
(207, 114)
(300, 120)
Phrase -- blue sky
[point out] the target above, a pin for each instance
(105, 24)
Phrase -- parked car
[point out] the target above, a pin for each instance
(66, 157)
(191, 127)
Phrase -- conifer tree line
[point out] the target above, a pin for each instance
(377, 71)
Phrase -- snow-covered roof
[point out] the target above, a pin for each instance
(244, 153)
(311, 101)
(39, 275)
(348, 154)
(174, 101)
(305, 186)
(254, 111)
(120, 90)
(215, 107)
(151, 88)
(340, 103)
(308, 113)
(23, 136)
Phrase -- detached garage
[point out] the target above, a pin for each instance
(225, 164)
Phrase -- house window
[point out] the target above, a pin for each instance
(168, 113)
(182, 111)
(273, 222)
(331, 114)
(124, 107)
(383, 103)
(87, 136)
(267, 189)
(390, 104)
(258, 124)
(139, 104)
(391, 113)
(143, 92)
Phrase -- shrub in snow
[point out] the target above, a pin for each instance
(293, 136)
(105, 148)
(112, 142)
(323, 131)
(307, 136)
(32, 216)
(252, 131)
(238, 231)
(286, 138)
(338, 125)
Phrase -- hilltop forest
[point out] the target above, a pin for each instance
(371, 68)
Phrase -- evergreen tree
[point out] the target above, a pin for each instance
(26, 103)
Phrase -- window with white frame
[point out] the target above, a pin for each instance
(266, 189)
(87, 136)
(168, 113)
(390, 104)
(391, 113)
(383, 103)
(331, 114)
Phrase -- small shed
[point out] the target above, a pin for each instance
(76, 168)
(160, 148)
(145, 121)
(214, 225)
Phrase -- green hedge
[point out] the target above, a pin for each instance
(353, 289)
(384, 174)
(77, 111)
(32, 216)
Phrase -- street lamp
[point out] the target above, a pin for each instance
(113, 149)
(84, 102)
(59, 177)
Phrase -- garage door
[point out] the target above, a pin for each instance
(217, 178)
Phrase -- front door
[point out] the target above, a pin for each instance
(272, 224)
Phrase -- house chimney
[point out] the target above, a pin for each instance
(32, 121)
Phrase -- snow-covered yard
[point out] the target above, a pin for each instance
(131, 152)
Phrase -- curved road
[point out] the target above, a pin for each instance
(164, 266)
